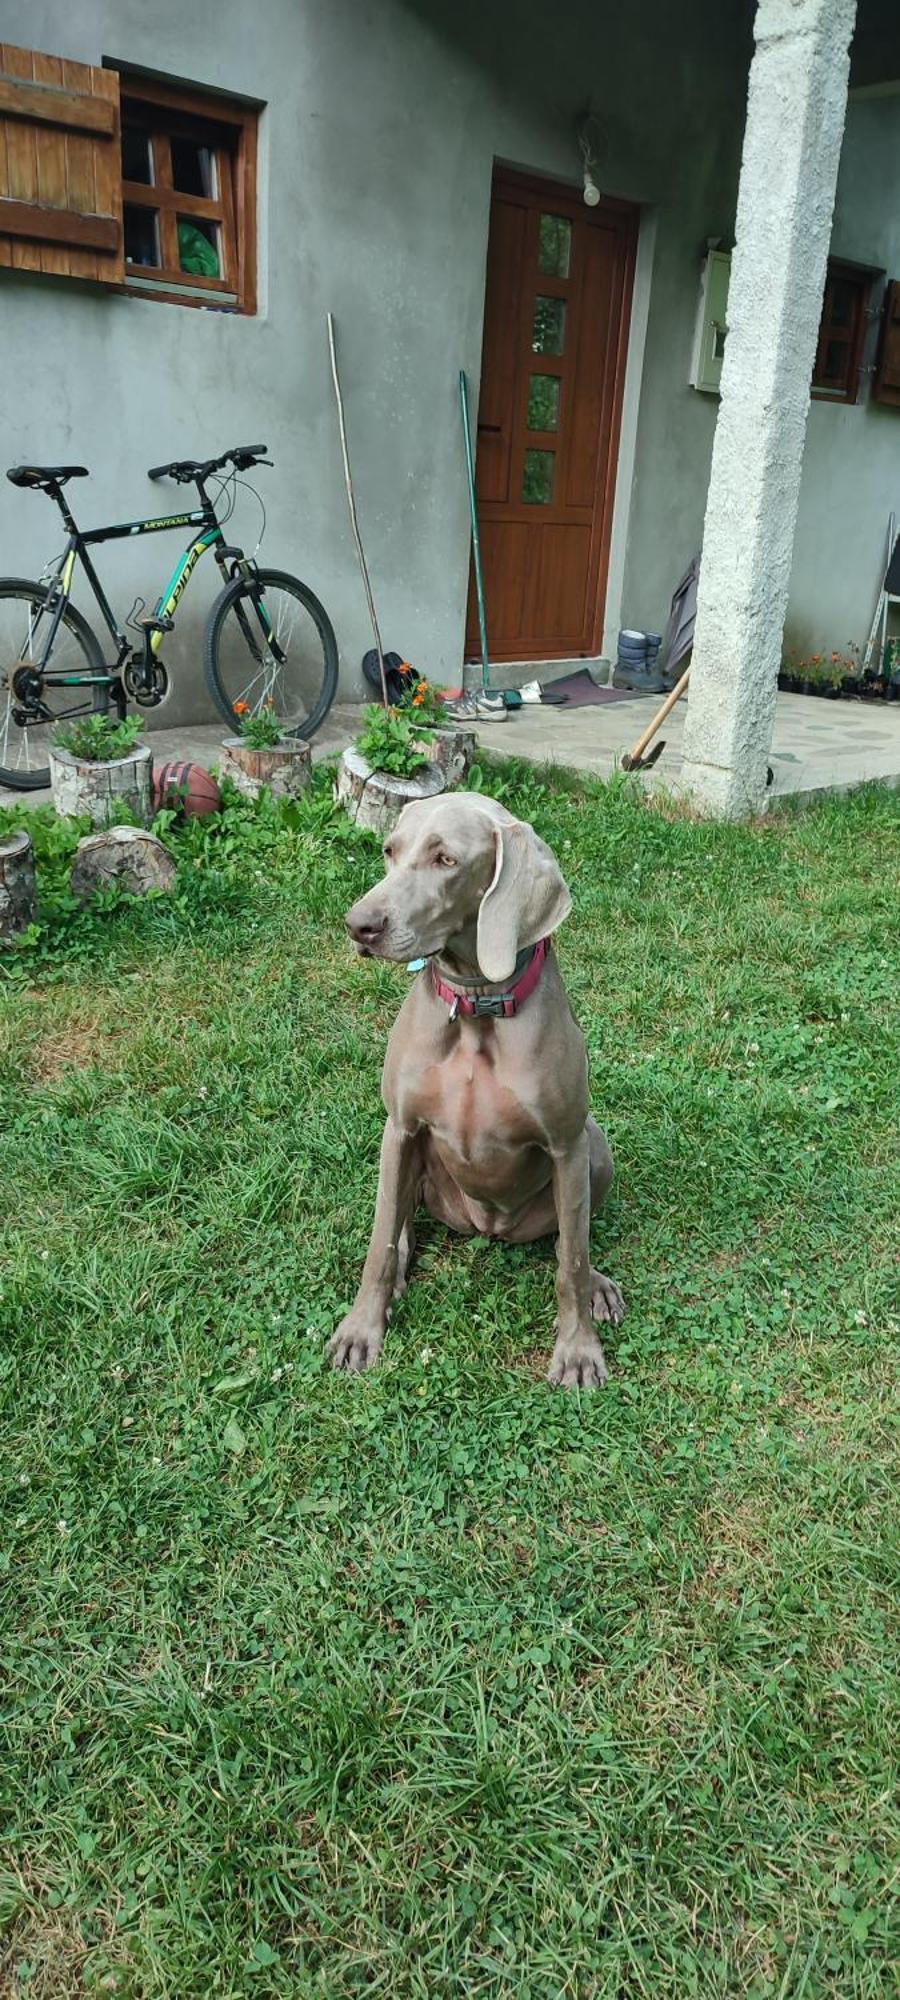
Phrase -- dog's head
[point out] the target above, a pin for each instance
(461, 869)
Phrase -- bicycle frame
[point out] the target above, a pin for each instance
(76, 549)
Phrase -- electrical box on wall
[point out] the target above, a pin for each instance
(711, 327)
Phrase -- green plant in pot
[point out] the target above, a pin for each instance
(387, 741)
(98, 739)
(262, 729)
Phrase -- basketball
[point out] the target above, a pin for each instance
(187, 788)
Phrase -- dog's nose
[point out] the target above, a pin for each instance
(366, 930)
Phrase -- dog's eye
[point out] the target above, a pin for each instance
(388, 853)
(445, 860)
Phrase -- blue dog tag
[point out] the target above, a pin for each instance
(417, 965)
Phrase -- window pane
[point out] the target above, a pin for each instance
(141, 235)
(543, 403)
(537, 484)
(554, 246)
(835, 366)
(549, 330)
(137, 156)
(193, 168)
(840, 306)
(198, 247)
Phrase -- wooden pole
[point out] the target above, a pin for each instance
(352, 506)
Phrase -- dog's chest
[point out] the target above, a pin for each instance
(470, 1103)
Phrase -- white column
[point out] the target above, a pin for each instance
(795, 119)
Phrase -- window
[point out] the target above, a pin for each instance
(842, 331)
(188, 195)
(111, 177)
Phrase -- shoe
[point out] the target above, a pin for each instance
(478, 707)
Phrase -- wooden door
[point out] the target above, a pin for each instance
(557, 304)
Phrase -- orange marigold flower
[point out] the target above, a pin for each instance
(242, 708)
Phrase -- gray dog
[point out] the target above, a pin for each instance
(485, 1080)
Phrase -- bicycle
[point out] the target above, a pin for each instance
(268, 639)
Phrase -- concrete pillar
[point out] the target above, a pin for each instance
(795, 119)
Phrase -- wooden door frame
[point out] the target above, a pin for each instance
(627, 217)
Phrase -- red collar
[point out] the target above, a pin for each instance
(499, 1006)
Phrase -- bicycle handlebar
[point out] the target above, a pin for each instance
(186, 470)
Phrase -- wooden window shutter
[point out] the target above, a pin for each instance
(60, 167)
(886, 388)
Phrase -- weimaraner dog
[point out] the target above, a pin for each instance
(485, 1080)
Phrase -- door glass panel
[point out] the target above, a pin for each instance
(554, 246)
(537, 484)
(548, 334)
(137, 159)
(543, 403)
(141, 235)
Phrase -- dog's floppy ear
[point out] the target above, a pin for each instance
(527, 899)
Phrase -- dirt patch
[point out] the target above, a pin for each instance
(44, 1956)
(75, 1044)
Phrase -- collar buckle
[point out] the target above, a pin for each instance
(492, 1005)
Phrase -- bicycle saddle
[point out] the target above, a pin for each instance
(45, 475)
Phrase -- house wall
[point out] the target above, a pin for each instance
(851, 465)
(383, 120)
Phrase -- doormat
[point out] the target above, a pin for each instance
(579, 691)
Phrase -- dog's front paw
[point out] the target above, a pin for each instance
(356, 1345)
(578, 1362)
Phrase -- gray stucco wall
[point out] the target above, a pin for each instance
(851, 466)
(382, 123)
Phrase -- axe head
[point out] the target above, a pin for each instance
(644, 763)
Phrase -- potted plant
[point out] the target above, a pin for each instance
(443, 742)
(98, 770)
(262, 757)
(385, 768)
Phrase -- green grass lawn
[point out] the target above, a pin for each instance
(439, 1682)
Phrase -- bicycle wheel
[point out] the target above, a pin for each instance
(269, 640)
(24, 619)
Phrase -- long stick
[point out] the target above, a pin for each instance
(632, 762)
(476, 538)
(352, 506)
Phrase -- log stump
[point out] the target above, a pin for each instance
(284, 770)
(123, 856)
(98, 792)
(18, 898)
(375, 798)
(452, 750)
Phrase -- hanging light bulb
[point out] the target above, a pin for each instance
(589, 135)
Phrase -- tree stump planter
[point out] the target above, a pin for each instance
(284, 770)
(452, 750)
(98, 792)
(375, 798)
(125, 857)
(18, 898)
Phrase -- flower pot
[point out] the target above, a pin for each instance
(376, 798)
(284, 770)
(452, 750)
(101, 792)
(17, 887)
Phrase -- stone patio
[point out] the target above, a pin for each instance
(819, 746)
